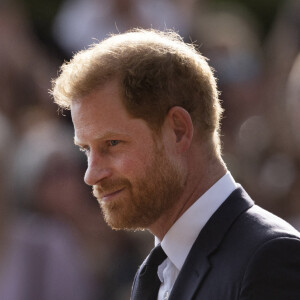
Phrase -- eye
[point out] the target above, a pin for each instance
(113, 142)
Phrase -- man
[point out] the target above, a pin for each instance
(146, 112)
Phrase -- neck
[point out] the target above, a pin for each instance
(198, 182)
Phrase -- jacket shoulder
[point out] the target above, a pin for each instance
(263, 225)
(273, 272)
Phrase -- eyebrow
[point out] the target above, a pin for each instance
(107, 136)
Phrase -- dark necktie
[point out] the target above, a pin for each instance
(147, 281)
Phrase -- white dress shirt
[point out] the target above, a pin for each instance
(179, 240)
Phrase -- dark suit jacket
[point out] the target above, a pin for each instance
(243, 252)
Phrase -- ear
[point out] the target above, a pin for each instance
(181, 126)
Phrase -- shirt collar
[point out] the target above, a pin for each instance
(180, 238)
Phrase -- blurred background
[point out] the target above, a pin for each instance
(54, 243)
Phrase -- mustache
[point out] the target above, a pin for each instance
(107, 186)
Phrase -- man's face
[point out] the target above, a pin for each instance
(132, 176)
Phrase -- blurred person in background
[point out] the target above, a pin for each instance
(252, 75)
(293, 102)
(293, 112)
(25, 68)
(229, 37)
(41, 257)
(265, 146)
(279, 167)
(146, 112)
(281, 49)
(6, 144)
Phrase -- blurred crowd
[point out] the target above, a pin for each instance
(54, 243)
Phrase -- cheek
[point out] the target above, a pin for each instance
(134, 164)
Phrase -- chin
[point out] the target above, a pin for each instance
(120, 220)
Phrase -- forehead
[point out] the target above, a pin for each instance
(103, 113)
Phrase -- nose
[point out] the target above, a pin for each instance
(96, 171)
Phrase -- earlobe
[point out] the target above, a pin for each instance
(182, 127)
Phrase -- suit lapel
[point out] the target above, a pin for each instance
(197, 264)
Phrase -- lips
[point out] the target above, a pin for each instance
(110, 195)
